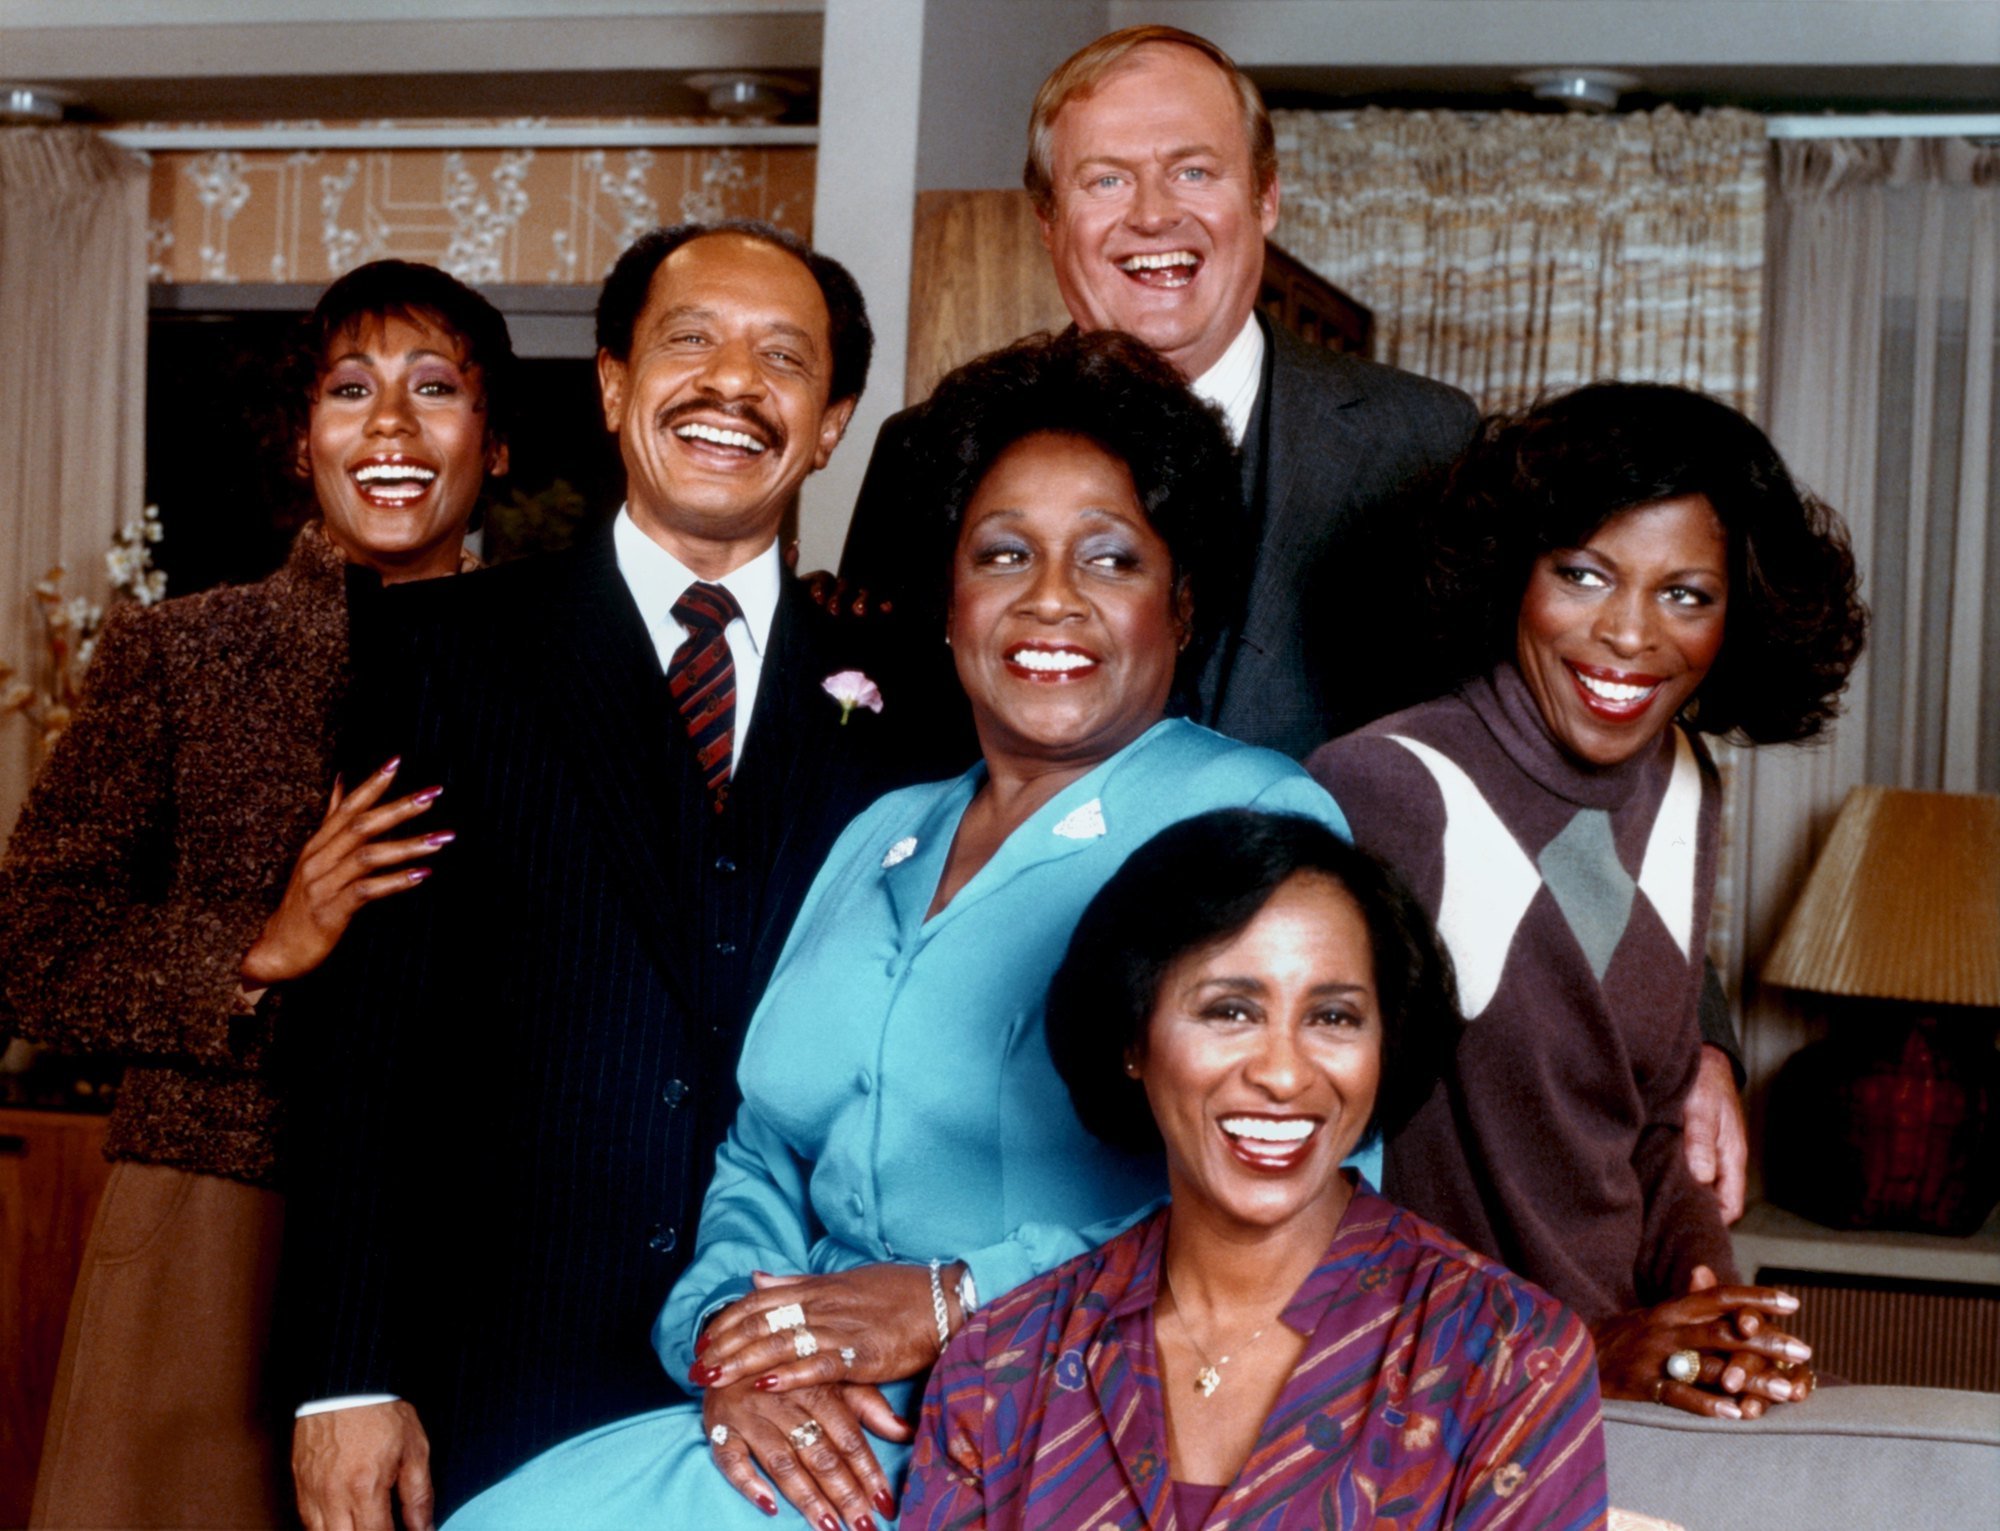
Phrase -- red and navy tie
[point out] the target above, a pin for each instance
(702, 678)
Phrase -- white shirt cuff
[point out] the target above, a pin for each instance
(344, 1401)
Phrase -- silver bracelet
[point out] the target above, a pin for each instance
(938, 1309)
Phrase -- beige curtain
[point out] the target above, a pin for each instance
(72, 408)
(1885, 283)
(1513, 254)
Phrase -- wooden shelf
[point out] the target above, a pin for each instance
(1769, 1236)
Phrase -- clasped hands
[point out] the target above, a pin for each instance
(1745, 1363)
(798, 1408)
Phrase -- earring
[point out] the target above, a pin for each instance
(1131, 1068)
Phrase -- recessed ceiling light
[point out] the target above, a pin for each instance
(32, 103)
(1583, 90)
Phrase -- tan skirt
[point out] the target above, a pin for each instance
(160, 1416)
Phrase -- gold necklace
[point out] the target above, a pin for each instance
(1209, 1378)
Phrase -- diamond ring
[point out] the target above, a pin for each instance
(719, 1434)
(790, 1316)
(803, 1343)
(805, 1437)
(847, 1357)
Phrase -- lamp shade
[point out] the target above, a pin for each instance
(1904, 902)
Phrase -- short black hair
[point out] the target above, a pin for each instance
(1123, 396)
(421, 294)
(631, 279)
(1203, 881)
(1549, 476)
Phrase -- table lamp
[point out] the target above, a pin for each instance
(1890, 1122)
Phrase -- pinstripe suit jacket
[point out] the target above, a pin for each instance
(512, 1080)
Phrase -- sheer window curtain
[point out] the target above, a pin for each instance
(1516, 254)
(1883, 344)
(72, 410)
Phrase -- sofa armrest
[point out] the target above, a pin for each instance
(1895, 1457)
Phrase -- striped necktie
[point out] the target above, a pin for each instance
(702, 678)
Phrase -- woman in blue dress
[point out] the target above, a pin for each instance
(905, 1148)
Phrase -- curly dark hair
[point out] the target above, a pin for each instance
(1121, 395)
(420, 294)
(1221, 868)
(623, 299)
(1550, 476)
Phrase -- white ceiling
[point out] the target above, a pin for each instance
(222, 59)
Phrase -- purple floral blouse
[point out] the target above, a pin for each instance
(1436, 1389)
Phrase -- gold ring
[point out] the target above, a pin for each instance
(1684, 1365)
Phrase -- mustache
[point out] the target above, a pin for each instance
(747, 416)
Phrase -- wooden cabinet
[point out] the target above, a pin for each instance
(52, 1170)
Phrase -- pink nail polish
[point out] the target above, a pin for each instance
(428, 796)
(392, 766)
(418, 874)
(442, 837)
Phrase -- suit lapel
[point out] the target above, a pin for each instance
(1309, 454)
(800, 764)
(600, 675)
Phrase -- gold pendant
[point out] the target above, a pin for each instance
(1207, 1380)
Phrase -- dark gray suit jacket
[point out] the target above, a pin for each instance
(1334, 445)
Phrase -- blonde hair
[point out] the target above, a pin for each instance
(1083, 71)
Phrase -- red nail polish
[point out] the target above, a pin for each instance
(884, 1503)
(828, 1523)
(766, 1506)
(863, 1523)
(765, 1384)
(706, 1376)
(700, 1344)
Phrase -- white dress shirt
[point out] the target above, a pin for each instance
(657, 579)
(1231, 385)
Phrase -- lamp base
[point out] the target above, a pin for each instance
(1887, 1127)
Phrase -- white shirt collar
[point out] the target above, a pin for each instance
(1231, 384)
(657, 579)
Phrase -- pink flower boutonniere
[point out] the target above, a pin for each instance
(852, 689)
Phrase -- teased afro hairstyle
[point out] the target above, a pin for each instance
(848, 333)
(1550, 476)
(1200, 882)
(1121, 395)
(420, 294)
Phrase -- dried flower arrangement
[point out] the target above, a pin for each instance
(70, 626)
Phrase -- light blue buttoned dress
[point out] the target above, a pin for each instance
(899, 1101)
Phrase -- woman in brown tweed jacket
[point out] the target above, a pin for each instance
(179, 857)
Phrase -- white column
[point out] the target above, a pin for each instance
(864, 209)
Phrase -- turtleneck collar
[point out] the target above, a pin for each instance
(1501, 700)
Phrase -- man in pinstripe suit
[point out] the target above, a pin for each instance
(516, 1077)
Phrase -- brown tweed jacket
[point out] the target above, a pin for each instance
(156, 842)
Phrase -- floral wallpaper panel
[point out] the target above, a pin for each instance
(485, 215)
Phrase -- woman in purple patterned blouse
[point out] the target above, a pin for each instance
(1278, 1346)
